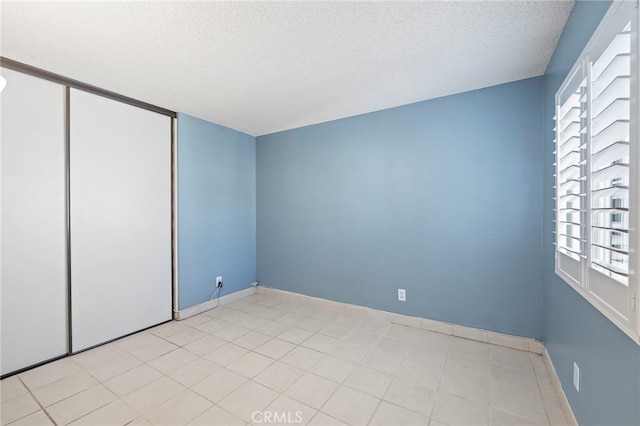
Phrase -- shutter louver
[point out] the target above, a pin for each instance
(610, 157)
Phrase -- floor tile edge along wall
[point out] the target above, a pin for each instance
(440, 198)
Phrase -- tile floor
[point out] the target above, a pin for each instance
(264, 360)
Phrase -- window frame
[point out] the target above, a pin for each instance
(603, 33)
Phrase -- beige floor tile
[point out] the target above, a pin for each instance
(251, 340)
(275, 348)
(252, 308)
(179, 410)
(500, 418)
(218, 311)
(390, 414)
(436, 341)
(231, 332)
(114, 367)
(368, 380)
(219, 384)
(280, 356)
(312, 324)
(403, 332)
(39, 418)
(502, 355)
(250, 364)
(273, 328)
(279, 376)
(351, 406)
(137, 341)
(132, 380)
(383, 360)
(153, 394)
(410, 395)
(336, 330)
(78, 405)
(291, 318)
(521, 403)
(515, 377)
(470, 347)
(434, 354)
(17, 408)
(321, 419)
(64, 388)
(270, 313)
(454, 410)
(270, 301)
(555, 413)
(470, 387)
(193, 372)
(168, 329)
(252, 322)
(332, 368)
(301, 357)
(285, 411)
(391, 344)
(140, 421)
(247, 399)
(351, 352)
(195, 320)
(311, 390)
(154, 350)
(423, 371)
(172, 360)
(322, 343)
(467, 364)
(226, 354)
(212, 326)
(11, 388)
(204, 345)
(295, 335)
(186, 336)
(216, 416)
(112, 414)
(49, 373)
(97, 355)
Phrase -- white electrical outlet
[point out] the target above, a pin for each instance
(402, 295)
(576, 377)
(218, 282)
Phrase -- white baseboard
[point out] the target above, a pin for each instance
(564, 402)
(499, 339)
(205, 306)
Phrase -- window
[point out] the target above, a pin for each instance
(597, 170)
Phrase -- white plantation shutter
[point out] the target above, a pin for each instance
(571, 176)
(597, 169)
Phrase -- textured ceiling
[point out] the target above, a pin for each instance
(261, 67)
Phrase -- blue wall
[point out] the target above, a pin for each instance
(216, 209)
(573, 329)
(442, 198)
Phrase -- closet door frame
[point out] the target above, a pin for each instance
(75, 84)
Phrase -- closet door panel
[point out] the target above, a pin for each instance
(34, 283)
(120, 219)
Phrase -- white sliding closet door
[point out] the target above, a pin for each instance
(34, 283)
(120, 219)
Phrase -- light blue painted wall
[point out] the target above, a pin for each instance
(575, 331)
(442, 198)
(216, 209)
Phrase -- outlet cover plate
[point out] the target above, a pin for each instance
(402, 295)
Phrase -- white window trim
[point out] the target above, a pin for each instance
(630, 326)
